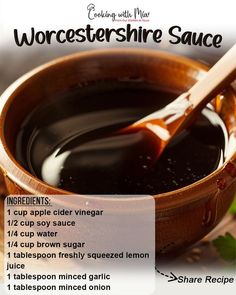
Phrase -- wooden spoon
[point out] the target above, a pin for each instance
(165, 123)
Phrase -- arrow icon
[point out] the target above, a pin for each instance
(173, 277)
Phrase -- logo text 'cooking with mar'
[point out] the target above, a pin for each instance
(135, 14)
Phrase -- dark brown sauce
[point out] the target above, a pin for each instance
(71, 142)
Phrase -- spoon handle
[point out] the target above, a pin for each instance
(217, 78)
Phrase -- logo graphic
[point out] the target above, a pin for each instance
(134, 15)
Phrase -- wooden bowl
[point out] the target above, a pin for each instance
(183, 216)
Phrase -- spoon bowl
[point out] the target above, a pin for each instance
(164, 124)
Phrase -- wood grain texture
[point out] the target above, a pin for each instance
(203, 255)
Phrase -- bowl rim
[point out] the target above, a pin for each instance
(20, 176)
